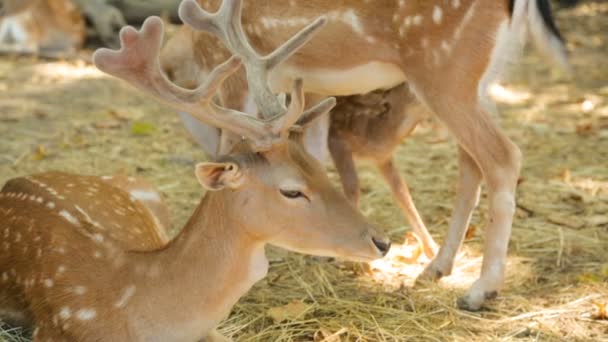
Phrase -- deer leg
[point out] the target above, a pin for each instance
(499, 160)
(401, 192)
(342, 156)
(466, 200)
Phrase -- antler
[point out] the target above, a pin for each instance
(137, 62)
(226, 25)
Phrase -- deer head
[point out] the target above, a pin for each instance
(279, 192)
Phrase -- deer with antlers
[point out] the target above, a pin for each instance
(84, 260)
(447, 51)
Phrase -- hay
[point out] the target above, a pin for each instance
(65, 115)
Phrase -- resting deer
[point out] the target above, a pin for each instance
(84, 261)
(50, 28)
(61, 19)
(447, 51)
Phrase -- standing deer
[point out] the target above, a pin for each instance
(448, 51)
(84, 260)
(371, 127)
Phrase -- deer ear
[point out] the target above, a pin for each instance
(217, 176)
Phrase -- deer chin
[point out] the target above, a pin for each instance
(361, 255)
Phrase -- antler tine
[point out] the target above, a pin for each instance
(226, 24)
(294, 43)
(137, 62)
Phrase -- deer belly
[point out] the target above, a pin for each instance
(360, 79)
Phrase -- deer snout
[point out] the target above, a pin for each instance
(383, 244)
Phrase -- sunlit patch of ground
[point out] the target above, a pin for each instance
(65, 115)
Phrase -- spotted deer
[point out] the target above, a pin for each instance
(84, 260)
(448, 51)
(50, 28)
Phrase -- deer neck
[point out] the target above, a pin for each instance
(197, 278)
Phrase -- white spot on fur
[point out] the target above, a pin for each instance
(437, 15)
(446, 47)
(50, 205)
(348, 17)
(417, 20)
(65, 313)
(98, 238)
(89, 219)
(126, 295)
(66, 215)
(455, 3)
(48, 282)
(142, 195)
(79, 290)
(86, 314)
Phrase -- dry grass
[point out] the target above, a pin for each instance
(65, 115)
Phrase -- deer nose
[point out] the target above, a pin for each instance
(383, 245)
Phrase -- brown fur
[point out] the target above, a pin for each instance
(83, 260)
(443, 51)
(54, 28)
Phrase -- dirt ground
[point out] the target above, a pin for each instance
(68, 116)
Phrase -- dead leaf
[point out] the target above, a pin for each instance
(40, 152)
(601, 312)
(40, 114)
(588, 278)
(586, 127)
(289, 311)
(110, 124)
(118, 115)
(566, 175)
(470, 232)
(412, 257)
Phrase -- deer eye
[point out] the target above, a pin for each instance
(293, 194)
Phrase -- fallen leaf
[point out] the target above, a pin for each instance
(40, 114)
(412, 257)
(110, 124)
(470, 232)
(588, 278)
(601, 312)
(40, 152)
(566, 175)
(143, 128)
(118, 115)
(586, 127)
(289, 311)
